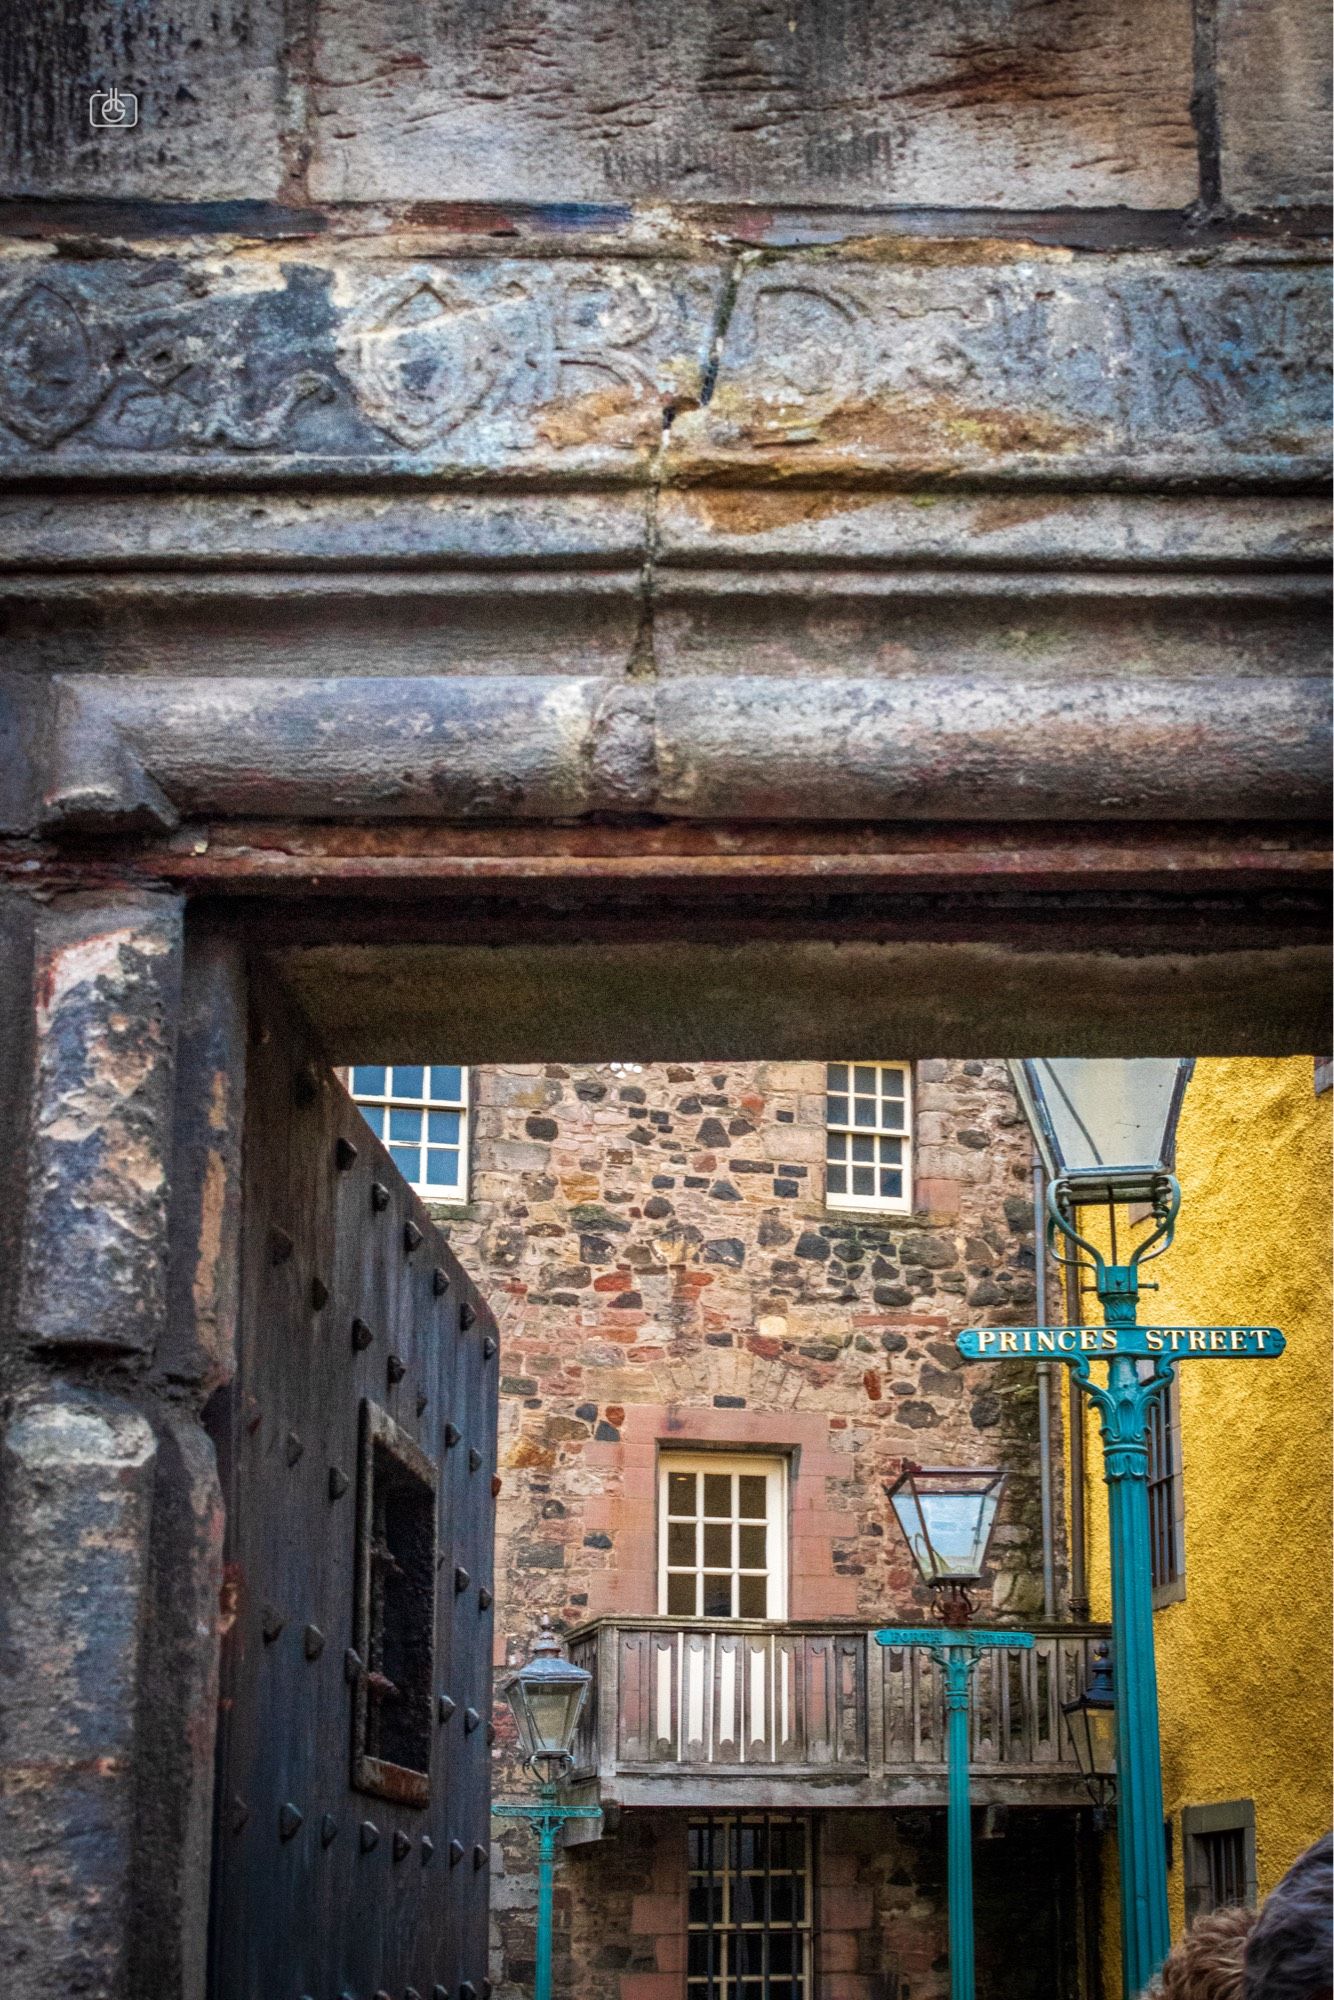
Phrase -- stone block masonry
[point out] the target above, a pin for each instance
(881, 1912)
(657, 1246)
(659, 1252)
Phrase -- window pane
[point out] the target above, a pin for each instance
(717, 1596)
(863, 1111)
(443, 1126)
(863, 1077)
(753, 1542)
(681, 1493)
(409, 1080)
(718, 1495)
(405, 1125)
(681, 1543)
(447, 1082)
(785, 1899)
(442, 1169)
(836, 1076)
(836, 1110)
(753, 1597)
(407, 1159)
(718, 1545)
(704, 1897)
(837, 1180)
(754, 1491)
(750, 1953)
(681, 1596)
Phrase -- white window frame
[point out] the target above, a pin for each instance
(873, 1204)
(773, 1467)
(429, 1191)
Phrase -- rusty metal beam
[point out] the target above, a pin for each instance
(417, 860)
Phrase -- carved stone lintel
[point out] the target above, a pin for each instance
(477, 748)
(1006, 360)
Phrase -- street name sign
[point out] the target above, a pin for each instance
(1068, 1343)
(948, 1635)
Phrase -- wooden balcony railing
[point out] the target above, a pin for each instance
(784, 1715)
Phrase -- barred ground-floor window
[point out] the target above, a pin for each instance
(1219, 1850)
(750, 1915)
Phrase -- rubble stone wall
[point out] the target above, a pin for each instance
(658, 1250)
(881, 1911)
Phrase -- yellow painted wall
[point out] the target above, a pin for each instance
(1244, 1670)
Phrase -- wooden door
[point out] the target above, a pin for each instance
(357, 1446)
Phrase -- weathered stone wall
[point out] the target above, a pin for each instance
(659, 1254)
(111, 1522)
(881, 1911)
(1130, 104)
(658, 1250)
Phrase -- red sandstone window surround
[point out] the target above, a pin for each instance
(722, 1536)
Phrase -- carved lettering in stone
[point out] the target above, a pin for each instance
(226, 422)
(596, 323)
(488, 361)
(797, 353)
(52, 372)
(424, 352)
(1237, 364)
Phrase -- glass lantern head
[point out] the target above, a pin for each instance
(546, 1698)
(1091, 1721)
(1106, 1129)
(947, 1513)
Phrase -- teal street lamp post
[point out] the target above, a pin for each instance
(1106, 1131)
(947, 1514)
(546, 1698)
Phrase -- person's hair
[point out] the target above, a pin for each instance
(1289, 1951)
(1207, 1964)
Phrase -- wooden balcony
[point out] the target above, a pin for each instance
(800, 1715)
